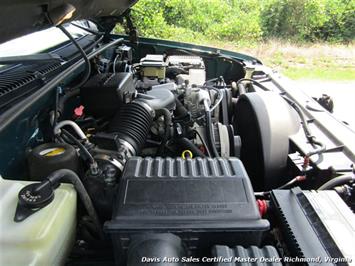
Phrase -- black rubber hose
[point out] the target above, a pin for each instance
(187, 144)
(321, 148)
(83, 54)
(80, 145)
(337, 181)
(258, 84)
(301, 115)
(180, 110)
(69, 176)
(167, 120)
(55, 119)
(132, 123)
(209, 132)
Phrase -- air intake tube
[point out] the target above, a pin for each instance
(163, 249)
(130, 126)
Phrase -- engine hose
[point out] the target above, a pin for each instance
(132, 123)
(301, 115)
(180, 110)
(167, 120)
(337, 181)
(73, 125)
(80, 145)
(306, 129)
(83, 54)
(55, 118)
(67, 175)
(319, 150)
(258, 84)
(209, 131)
(219, 96)
(187, 144)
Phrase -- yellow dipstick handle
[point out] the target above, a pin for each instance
(186, 154)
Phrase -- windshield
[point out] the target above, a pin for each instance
(43, 40)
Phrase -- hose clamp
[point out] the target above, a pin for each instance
(127, 145)
(111, 160)
(145, 106)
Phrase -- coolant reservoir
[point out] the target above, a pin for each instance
(45, 237)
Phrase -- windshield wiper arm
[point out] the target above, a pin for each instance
(30, 59)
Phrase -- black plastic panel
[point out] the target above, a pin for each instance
(204, 201)
(315, 223)
(242, 256)
(264, 121)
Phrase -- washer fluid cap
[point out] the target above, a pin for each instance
(32, 198)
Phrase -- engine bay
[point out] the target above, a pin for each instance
(171, 165)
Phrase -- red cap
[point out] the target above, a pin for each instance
(301, 178)
(79, 111)
(262, 204)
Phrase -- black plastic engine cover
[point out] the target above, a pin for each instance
(103, 94)
(243, 256)
(204, 201)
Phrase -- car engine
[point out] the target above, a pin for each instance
(173, 166)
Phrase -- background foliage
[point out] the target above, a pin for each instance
(246, 20)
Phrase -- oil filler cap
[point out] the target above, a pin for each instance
(32, 198)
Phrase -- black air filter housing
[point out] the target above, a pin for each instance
(239, 255)
(204, 201)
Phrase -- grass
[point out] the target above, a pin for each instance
(319, 61)
(337, 74)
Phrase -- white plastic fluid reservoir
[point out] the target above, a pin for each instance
(45, 237)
